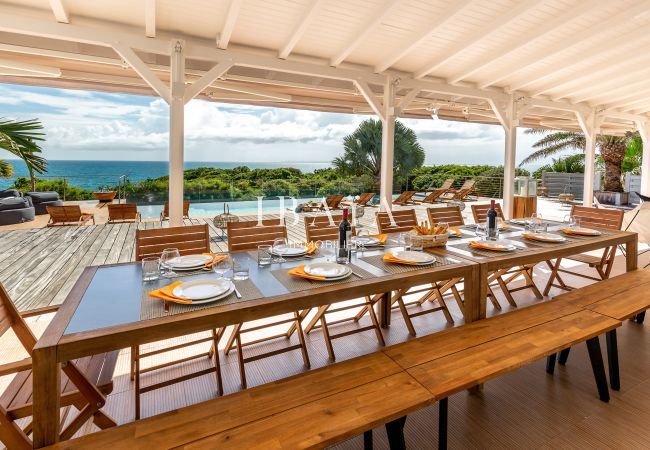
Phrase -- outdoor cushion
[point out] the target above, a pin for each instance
(9, 193)
(13, 203)
(40, 197)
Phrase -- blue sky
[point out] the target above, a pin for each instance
(99, 126)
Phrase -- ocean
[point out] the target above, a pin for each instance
(93, 174)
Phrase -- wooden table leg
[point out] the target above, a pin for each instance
(384, 310)
(475, 293)
(47, 399)
(631, 255)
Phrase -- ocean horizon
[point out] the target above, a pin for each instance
(93, 174)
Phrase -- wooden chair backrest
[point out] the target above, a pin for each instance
(611, 219)
(449, 214)
(10, 318)
(247, 235)
(122, 211)
(404, 197)
(333, 200)
(404, 220)
(68, 213)
(186, 209)
(480, 212)
(468, 184)
(321, 228)
(365, 198)
(447, 184)
(188, 240)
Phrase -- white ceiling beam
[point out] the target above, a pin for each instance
(361, 34)
(208, 78)
(422, 35)
(546, 28)
(223, 38)
(639, 96)
(291, 84)
(443, 88)
(612, 93)
(303, 24)
(150, 18)
(143, 70)
(607, 84)
(593, 71)
(371, 98)
(622, 19)
(34, 69)
(5, 71)
(59, 11)
(482, 33)
(407, 100)
(560, 106)
(608, 113)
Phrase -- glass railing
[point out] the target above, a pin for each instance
(70, 187)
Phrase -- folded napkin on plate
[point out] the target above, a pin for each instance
(215, 258)
(578, 232)
(300, 272)
(537, 238)
(166, 293)
(475, 244)
(312, 247)
(455, 230)
(380, 237)
(389, 257)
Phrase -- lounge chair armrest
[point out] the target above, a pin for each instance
(40, 311)
(15, 367)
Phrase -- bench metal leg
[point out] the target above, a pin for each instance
(612, 360)
(395, 432)
(443, 419)
(564, 356)
(550, 363)
(367, 440)
(598, 367)
(640, 317)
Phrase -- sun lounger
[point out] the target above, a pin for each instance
(332, 201)
(186, 210)
(405, 198)
(68, 215)
(121, 212)
(363, 200)
(463, 193)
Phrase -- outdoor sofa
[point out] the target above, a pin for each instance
(41, 200)
(14, 208)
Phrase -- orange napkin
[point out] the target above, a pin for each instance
(312, 247)
(456, 230)
(166, 293)
(579, 233)
(215, 258)
(381, 237)
(389, 257)
(300, 272)
(475, 244)
(537, 238)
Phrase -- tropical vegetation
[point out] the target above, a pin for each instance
(567, 164)
(613, 151)
(21, 138)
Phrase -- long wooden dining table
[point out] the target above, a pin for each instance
(109, 309)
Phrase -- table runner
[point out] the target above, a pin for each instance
(151, 308)
(297, 284)
(393, 268)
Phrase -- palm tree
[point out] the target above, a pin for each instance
(362, 151)
(21, 137)
(612, 150)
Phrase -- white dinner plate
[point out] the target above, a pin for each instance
(230, 290)
(366, 241)
(289, 250)
(414, 257)
(202, 289)
(189, 262)
(499, 246)
(585, 231)
(328, 270)
(545, 237)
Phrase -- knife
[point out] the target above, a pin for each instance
(237, 294)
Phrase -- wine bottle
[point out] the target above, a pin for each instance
(345, 239)
(492, 232)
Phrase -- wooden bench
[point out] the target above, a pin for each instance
(622, 297)
(311, 410)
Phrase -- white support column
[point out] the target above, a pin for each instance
(387, 146)
(507, 116)
(589, 129)
(176, 133)
(644, 131)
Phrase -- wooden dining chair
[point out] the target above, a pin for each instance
(403, 221)
(405, 198)
(122, 212)
(248, 235)
(190, 240)
(449, 214)
(325, 229)
(68, 215)
(505, 277)
(165, 212)
(606, 219)
(85, 383)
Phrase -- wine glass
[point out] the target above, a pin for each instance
(166, 261)
(279, 248)
(222, 264)
(362, 235)
(481, 230)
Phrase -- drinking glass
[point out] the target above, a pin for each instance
(166, 257)
(239, 270)
(223, 266)
(481, 230)
(571, 221)
(417, 244)
(264, 255)
(279, 248)
(150, 268)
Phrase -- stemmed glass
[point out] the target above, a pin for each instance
(362, 235)
(279, 248)
(166, 258)
(222, 264)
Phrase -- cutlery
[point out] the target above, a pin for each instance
(237, 294)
